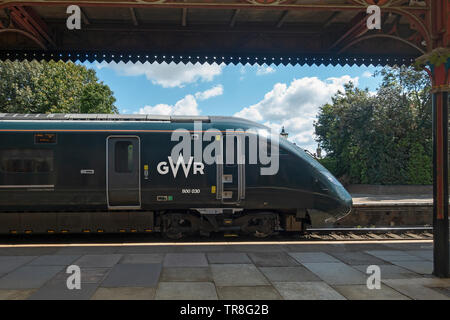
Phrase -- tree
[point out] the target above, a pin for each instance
(383, 138)
(52, 87)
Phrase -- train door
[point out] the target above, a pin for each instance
(231, 171)
(123, 185)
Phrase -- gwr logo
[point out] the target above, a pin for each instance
(197, 167)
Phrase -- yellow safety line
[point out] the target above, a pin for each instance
(349, 242)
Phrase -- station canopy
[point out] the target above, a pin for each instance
(328, 32)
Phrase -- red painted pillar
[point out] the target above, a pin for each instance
(440, 168)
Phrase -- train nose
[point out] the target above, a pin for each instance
(345, 207)
(345, 203)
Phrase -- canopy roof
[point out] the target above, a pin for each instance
(230, 31)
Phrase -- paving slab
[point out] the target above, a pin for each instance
(28, 277)
(16, 294)
(429, 282)
(258, 247)
(186, 291)
(302, 248)
(237, 275)
(424, 254)
(28, 251)
(248, 293)
(390, 271)
(85, 250)
(394, 255)
(337, 273)
(406, 246)
(414, 290)
(203, 248)
(228, 257)
(5, 252)
(88, 275)
(331, 248)
(354, 247)
(361, 292)
(57, 290)
(312, 257)
(272, 259)
(420, 267)
(146, 249)
(9, 263)
(133, 275)
(143, 258)
(54, 260)
(185, 260)
(196, 274)
(444, 291)
(125, 293)
(357, 258)
(387, 253)
(290, 274)
(98, 260)
(307, 291)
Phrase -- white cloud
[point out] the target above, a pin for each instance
(213, 92)
(186, 106)
(367, 74)
(167, 75)
(295, 106)
(262, 70)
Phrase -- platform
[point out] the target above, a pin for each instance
(260, 270)
(384, 206)
(391, 195)
(364, 200)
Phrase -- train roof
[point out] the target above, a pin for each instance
(124, 118)
(100, 117)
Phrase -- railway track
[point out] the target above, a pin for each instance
(380, 233)
(311, 234)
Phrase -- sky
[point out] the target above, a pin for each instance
(276, 96)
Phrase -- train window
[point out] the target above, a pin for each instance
(124, 156)
(26, 160)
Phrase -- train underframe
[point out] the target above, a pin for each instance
(259, 224)
(173, 224)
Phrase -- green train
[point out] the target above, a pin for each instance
(180, 175)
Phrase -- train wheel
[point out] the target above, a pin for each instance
(177, 226)
(258, 234)
(260, 225)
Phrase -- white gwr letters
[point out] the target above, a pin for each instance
(197, 167)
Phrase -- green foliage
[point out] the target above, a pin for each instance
(383, 138)
(329, 163)
(52, 87)
(420, 166)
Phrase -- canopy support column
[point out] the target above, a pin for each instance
(440, 97)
